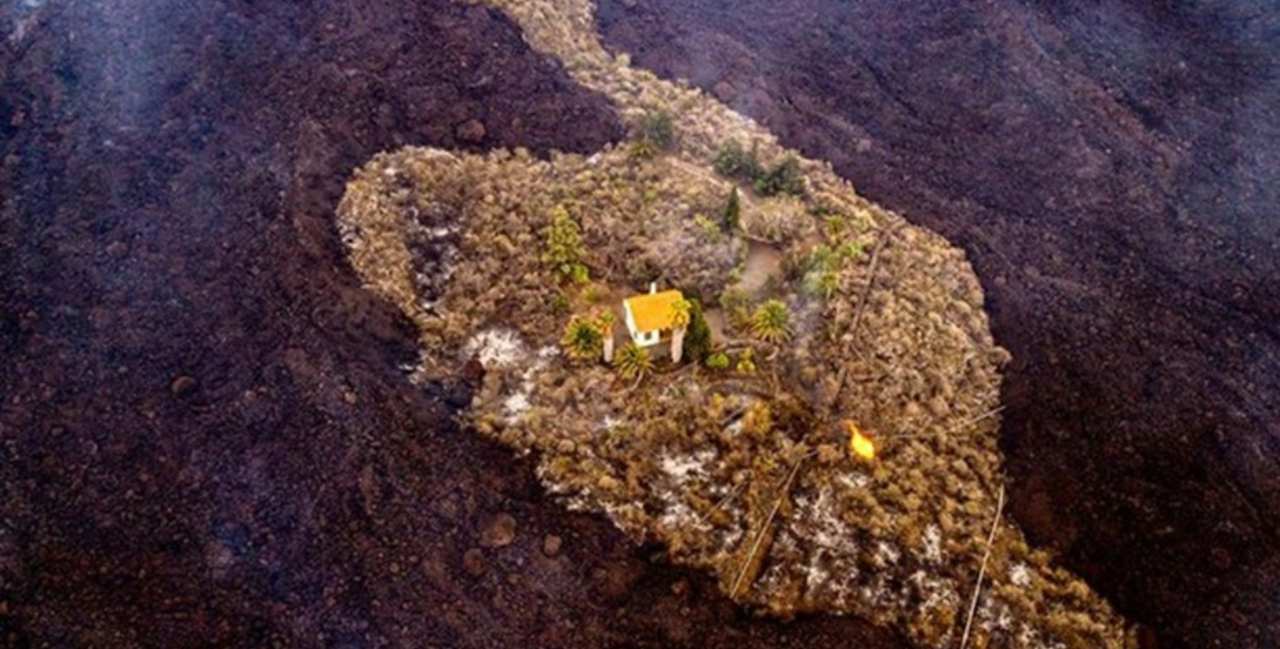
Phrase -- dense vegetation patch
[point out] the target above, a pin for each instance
(737, 457)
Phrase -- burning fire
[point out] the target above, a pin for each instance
(860, 445)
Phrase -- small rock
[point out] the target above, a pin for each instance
(551, 545)
(182, 386)
(117, 249)
(473, 562)
(614, 581)
(500, 532)
(472, 131)
(680, 588)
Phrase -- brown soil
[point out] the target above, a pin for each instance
(1111, 173)
(205, 439)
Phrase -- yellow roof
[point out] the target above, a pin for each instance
(653, 311)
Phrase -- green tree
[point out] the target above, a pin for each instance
(771, 322)
(697, 341)
(563, 250)
(733, 212)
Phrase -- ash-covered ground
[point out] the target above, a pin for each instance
(205, 440)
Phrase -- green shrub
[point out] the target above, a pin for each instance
(822, 282)
(822, 267)
(718, 361)
(643, 149)
(735, 162)
(771, 321)
(657, 130)
(783, 178)
(746, 362)
(560, 303)
(709, 227)
(594, 294)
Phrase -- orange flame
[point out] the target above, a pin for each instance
(860, 445)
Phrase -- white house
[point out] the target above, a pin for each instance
(648, 315)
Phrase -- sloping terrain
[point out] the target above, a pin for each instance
(204, 436)
(204, 439)
(1112, 173)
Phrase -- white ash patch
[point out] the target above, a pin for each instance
(832, 555)
(679, 516)
(730, 538)
(886, 554)
(933, 544)
(1029, 637)
(519, 402)
(994, 615)
(680, 467)
(497, 348)
(934, 591)
(516, 404)
(853, 480)
(1020, 575)
(882, 592)
(823, 526)
(775, 577)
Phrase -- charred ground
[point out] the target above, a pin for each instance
(204, 436)
(181, 463)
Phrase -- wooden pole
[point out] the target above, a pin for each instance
(977, 588)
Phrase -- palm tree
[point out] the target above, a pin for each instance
(679, 324)
(604, 322)
(633, 361)
(771, 322)
(582, 339)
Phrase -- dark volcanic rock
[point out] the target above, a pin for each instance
(304, 493)
(1112, 172)
(499, 532)
(471, 131)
